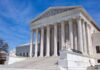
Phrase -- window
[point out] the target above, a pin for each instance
(98, 49)
(23, 54)
(98, 60)
(27, 54)
(20, 54)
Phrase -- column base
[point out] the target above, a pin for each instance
(47, 56)
(30, 56)
(55, 55)
(35, 56)
(85, 54)
(41, 56)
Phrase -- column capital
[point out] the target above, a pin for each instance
(79, 18)
(70, 19)
(48, 25)
(63, 21)
(37, 29)
(32, 30)
(55, 24)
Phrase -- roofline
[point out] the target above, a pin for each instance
(39, 15)
(80, 7)
(55, 7)
(90, 18)
(25, 44)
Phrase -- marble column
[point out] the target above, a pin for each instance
(71, 33)
(75, 37)
(90, 51)
(62, 35)
(42, 42)
(84, 38)
(48, 41)
(36, 44)
(55, 39)
(80, 39)
(31, 44)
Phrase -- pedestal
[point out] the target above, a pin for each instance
(75, 61)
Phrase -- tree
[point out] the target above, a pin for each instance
(3, 51)
(3, 46)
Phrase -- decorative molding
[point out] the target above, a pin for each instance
(55, 19)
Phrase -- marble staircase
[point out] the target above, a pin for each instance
(40, 63)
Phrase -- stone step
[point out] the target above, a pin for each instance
(44, 63)
(15, 69)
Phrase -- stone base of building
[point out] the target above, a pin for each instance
(35, 63)
(14, 59)
(75, 61)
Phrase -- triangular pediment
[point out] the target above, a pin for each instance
(57, 10)
(54, 11)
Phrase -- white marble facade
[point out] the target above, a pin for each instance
(57, 25)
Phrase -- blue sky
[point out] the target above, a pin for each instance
(15, 16)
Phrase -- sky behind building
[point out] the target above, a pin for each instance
(16, 15)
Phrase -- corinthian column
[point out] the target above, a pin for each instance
(80, 40)
(42, 42)
(48, 42)
(71, 33)
(31, 45)
(36, 44)
(90, 49)
(62, 34)
(84, 38)
(55, 40)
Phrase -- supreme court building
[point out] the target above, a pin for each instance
(57, 25)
